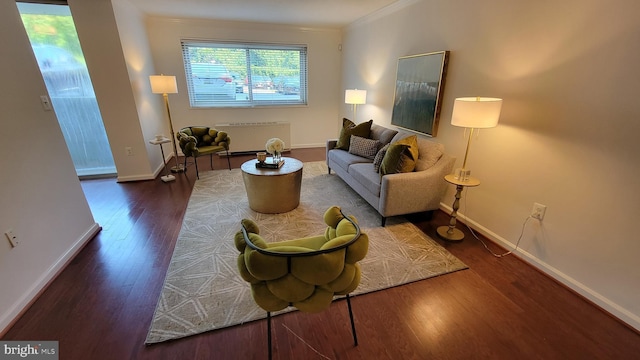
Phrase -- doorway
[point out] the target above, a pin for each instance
(55, 43)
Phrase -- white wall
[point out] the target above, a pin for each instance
(115, 91)
(137, 54)
(568, 73)
(310, 125)
(40, 195)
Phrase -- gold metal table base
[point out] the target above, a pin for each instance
(451, 234)
(273, 191)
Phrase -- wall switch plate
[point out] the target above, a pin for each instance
(13, 239)
(46, 103)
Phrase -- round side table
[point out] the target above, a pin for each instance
(273, 191)
(450, 232)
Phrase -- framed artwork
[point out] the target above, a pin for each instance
(419, 87)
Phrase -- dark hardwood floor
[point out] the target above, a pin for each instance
(101, 305)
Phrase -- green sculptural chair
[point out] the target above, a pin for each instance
(304, 273)
(196, 141)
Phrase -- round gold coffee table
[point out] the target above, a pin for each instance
(273, 191)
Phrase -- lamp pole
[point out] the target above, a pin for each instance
(176, 168)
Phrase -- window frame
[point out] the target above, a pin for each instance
(252, 100)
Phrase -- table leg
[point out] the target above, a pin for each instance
(450, 232)
(168, 177)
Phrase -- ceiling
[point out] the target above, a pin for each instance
(329, 13)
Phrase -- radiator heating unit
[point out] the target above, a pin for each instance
(252, 137)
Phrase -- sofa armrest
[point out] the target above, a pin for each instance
(415, 191)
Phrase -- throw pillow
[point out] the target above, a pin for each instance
(392, 162)
(350, 128)
(379, 156)
(412, 141)
(363, 147)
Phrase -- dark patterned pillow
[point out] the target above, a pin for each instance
(363, 147)
(379, 156)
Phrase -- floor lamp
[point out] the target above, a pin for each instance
(165, 85)
(355, 97)
(472, 113)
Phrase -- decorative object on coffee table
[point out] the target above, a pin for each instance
(275, 147)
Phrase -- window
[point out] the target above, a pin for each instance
(244, 74)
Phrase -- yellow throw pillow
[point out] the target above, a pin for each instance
(410, 156)
(412, 141)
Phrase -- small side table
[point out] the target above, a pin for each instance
(168, 177)
(273, 191)
(450, 232)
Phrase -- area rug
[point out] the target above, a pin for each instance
(203, 291)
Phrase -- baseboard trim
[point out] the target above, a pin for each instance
(136, 178)
(597, 299)
(14, 312)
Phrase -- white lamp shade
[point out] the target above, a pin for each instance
(476, 112)
(355, 96)
(163, 84)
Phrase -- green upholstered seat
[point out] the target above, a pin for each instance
(305, 273)
(197, 141)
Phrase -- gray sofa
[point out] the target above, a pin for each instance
(395, 194)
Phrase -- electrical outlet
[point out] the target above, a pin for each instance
(538, 210)
(129, 150)
(13, 239)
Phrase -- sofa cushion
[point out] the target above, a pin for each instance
(350, 128)
(365, 175)
(378, 159)
(344, 159)
(382, 134)
(392, 162)
(363, 146)
(429, 154)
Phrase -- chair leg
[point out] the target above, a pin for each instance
(269, 332)
(384, 220)
(228, 160)
(353, 324)
(211, 160)
(195, 161)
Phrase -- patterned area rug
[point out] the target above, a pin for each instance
(203, 291)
